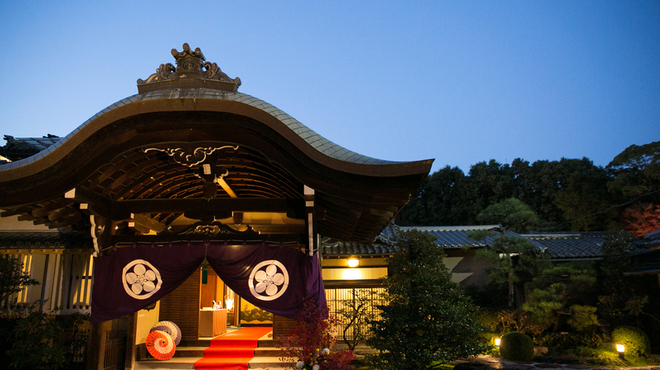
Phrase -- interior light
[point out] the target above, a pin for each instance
(351, 274)
(353, 262)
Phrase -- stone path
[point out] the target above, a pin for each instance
(498, 363)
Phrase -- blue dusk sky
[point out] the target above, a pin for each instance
(458, 81)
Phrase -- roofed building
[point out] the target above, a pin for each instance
(185, 175)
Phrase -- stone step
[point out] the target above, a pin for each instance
(199, 352)
(186, 356)
(267, 356)
(207, 342)
(268, 352)
(261, 362)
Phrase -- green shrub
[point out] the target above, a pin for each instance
(516, 346)
(635, 340)
(572, 340)
(606, 357)
(43, 341)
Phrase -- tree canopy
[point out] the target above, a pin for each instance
(566, 194)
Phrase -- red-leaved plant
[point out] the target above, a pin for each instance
(310, 341)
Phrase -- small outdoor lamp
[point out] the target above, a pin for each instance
(353, 262)
(621, 349)
(497, 341)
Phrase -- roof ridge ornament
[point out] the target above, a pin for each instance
(192, 70)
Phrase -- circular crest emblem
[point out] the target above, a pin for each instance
(141, 279)
(268, 280)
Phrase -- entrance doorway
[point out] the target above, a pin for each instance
(217, 299)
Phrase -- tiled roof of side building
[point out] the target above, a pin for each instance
(571, 245)
(560, 246)
(43, 240)
(447, 237)
(647, 257)
(649, 240)
(23, 147)
(455, 237)
(338, 249)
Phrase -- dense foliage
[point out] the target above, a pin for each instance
(567, 195)
(512, 259)
(32, 339)
(43, 341)
(427, 319)
(558, 295)
(634, 339)
(516, 347)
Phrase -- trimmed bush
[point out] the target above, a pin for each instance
(516, 346)
(636, 341)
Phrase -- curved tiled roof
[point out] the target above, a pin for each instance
(314, 140)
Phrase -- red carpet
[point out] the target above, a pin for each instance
(232, 351)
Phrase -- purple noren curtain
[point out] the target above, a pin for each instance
(277, 279)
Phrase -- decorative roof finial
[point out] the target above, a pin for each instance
(192, 70)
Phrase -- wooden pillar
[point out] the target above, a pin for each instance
(102, 228)
(312, 244)
(96, 346)
(130, 342)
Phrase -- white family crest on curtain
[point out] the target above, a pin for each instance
(272, 280)
(141, 279)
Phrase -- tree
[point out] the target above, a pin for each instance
(641, 218)
(443, 198)
(569, 194)
(635, 182)
(492, 182)
(12, 277)
(622, 299)
(356, 313)
(510, 256)
(584, 199)
(513, 260)
(536, 185)
(637, 172)
(511, 214)
(555, 295)
(427, 320)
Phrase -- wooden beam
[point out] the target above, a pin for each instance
(148, 222)
(213, 206)
(164, 238)
(98, 205)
